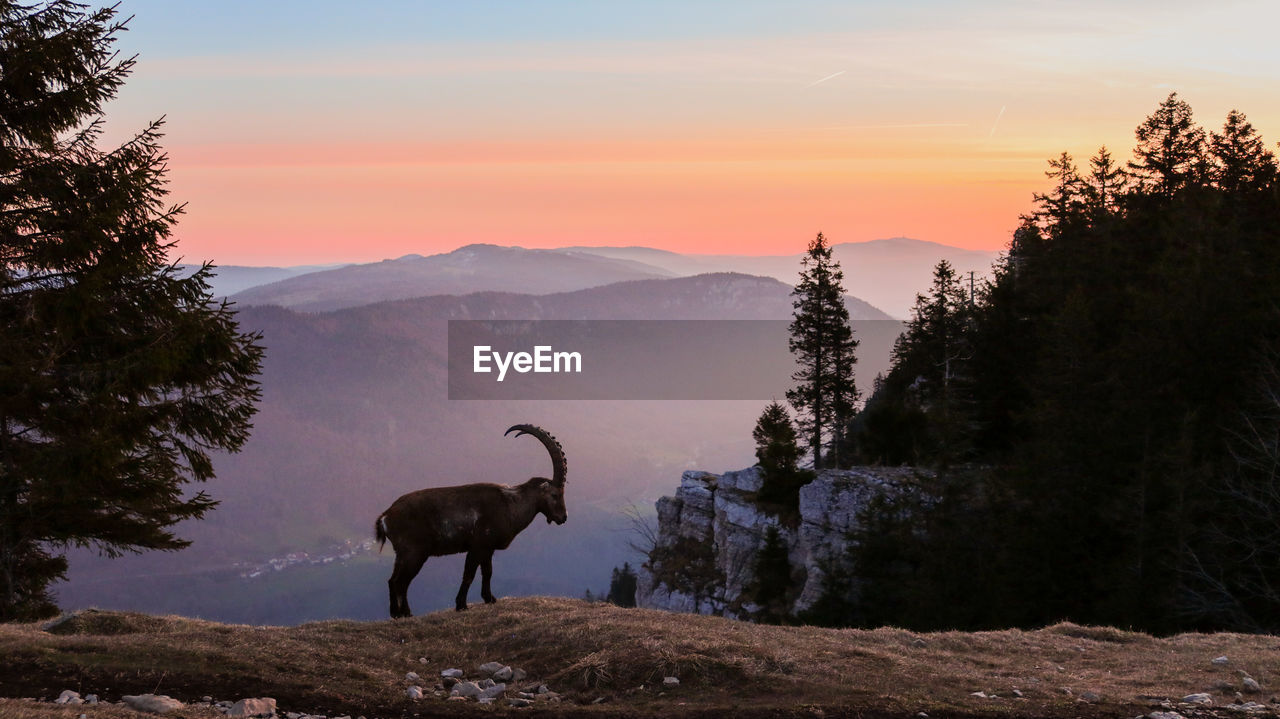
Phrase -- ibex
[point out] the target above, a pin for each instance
(478, 519)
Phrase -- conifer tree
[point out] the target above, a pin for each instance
(118, 375)
(622, 586)
(1242, 160)
(771, 586)
(778, 455)
(1170, 155)
(822, 341)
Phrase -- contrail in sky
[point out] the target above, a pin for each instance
(828, 77)
(997, 122)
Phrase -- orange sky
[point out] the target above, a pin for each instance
(301, 136)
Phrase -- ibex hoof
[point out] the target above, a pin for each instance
(490, 600)
(461, 608)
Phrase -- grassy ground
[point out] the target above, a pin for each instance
(590, 652)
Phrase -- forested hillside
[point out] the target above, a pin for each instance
(1105, 410)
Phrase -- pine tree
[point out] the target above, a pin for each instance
(933, 356)
(823, 342)
(1106, 183)
(771, 586)
(778, 455)
(118, 376)
(1170, 155)
(622, 586)
(1242, 160)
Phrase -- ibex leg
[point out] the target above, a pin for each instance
(406, 568)
(468, 575)
(486, 573)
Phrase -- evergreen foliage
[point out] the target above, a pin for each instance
(622, 586)
(118, 376)
(823, 343)
(1111, 369)
(772, 588)
(778, 455)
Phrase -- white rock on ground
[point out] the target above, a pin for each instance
(253, 707)
(452, 673)
(158, 704)
(666, 682)
(504, 674)
(488, 668)
(411, 677)
(1201, 698)
(68, 697)
(1220, 660)
(466, 689)
(414, 692)
(1251, 685)
(493, 692)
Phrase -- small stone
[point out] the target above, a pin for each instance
(412, 677)
(1165, 715)
(525, 695)
(422, 660)
(600, 700)
(919, 643)
(254, 707)
(451, 674)
(520, 702)
(90, 698)
(207, 700)
(921, 715)
(466, 689)
(1201, 699)
(292, 715)
(494, 691)
(1018, 693)
(1090, 697)
(68, 697)
(485, 700)
(486, 683)
(980, 695)
(158, 704)
(504, 674)
(542, 688)
(414, 692)
(518, 675)
(1220, 661)
(1251, 685)
(488, 668)
(670, 682)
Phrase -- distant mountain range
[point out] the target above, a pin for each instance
(230, 279)
(474, 268)
(885, 274)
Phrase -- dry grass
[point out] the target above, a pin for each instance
(588, 651)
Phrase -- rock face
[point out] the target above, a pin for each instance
(719, 511)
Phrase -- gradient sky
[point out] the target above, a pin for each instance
(314, 131)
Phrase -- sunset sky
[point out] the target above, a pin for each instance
(311, 131)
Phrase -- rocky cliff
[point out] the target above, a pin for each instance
(717, 514)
